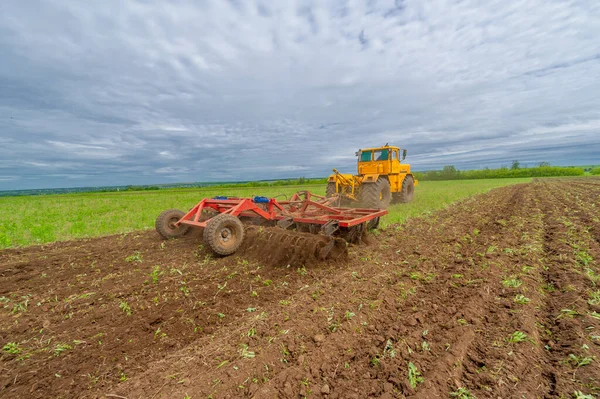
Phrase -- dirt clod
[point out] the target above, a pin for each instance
(319, 338)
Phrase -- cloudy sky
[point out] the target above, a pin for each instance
(137, 92)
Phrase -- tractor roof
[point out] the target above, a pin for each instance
(385, 147)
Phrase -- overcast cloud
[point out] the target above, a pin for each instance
(137, 92)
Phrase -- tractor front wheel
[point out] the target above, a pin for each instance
(375, 195)
(165, 224)
(330, 191)
(224, 234)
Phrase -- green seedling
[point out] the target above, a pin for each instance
(581, 395)
(375, 362)
(592, 275)
(22, 306)
(156, 273)
(579, 361)
(184, 288)
(583, 258)
(517, 336)
(595, 315)
(521, 299)
(12, 347)
(414, 376)
(568, 313)
(246, 353)
(221, 287)
(511, 282)
(389, 349)
(462, 393)
(60, 348)
(594, 298)
(135, 257)
(124, 306)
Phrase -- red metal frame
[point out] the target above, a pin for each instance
(300, 207)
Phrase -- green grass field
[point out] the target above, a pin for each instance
(43, 219)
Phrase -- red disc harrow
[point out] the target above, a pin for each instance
(222, 217)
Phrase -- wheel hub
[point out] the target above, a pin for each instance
(225, 234)
(172, 222)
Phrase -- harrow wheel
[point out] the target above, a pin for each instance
(165, 224)
(224, 234)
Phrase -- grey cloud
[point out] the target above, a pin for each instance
(151, 92)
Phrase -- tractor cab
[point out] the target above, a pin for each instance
(381, 160)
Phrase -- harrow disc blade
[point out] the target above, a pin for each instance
(276, 246)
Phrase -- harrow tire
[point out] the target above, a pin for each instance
(165, 224)
(224, 234)
(375, 195)
(408, 191)
(330, 191)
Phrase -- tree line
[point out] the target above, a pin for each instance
(543, 169)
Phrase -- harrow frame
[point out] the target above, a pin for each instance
(301, 210)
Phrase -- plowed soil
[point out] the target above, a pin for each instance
(496, 296)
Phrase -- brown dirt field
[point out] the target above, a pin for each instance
(440, 299)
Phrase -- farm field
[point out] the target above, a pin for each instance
(493, 297)
(49, 218)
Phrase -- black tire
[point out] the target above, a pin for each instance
(165, 224)
(408, 190)
(224, 234)
(375, 195)
(330, 191)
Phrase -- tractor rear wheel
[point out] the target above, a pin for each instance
(224, 234)
(375, 195)
(165, 224)
(408, 190)
(330, 191)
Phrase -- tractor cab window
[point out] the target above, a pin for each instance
(382, 155)
(365, 156)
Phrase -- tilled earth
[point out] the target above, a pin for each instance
(494, 297)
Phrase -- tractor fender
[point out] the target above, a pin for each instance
(370, 178)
